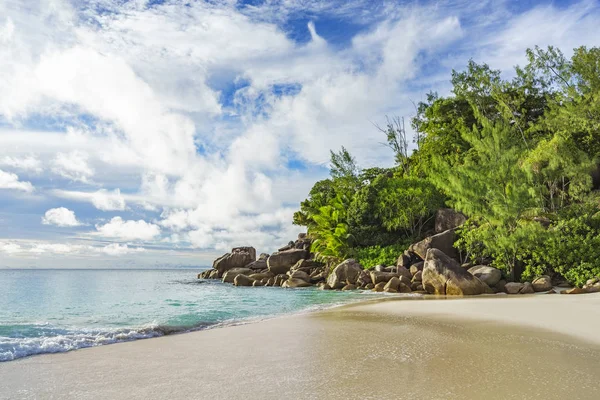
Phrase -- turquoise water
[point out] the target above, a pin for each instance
(50, 311)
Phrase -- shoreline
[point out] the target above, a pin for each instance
(368, 337)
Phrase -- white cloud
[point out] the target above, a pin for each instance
(73, 166)
(55, 248)
(140, 98)
(10, 248)
(102, 199)
(108, 201)
(11, 181)
(25, 163)
(128, 230)
(115, 249)
(61, 216)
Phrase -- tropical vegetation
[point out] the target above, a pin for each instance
(519, 157)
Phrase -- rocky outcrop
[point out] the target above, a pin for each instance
(416, 267)
(243, 280)
(295, 283)
(489, 275)
(392, 284)
(542, 284)
(442, 241)
(294, 267)
(377, 277)
(513, 287)
(299, 275)
(346, 273)
(229, 276)
(281, 262)
(527, 288)
(444, 276)
(447, 218)
(262, 275)
(238, 258)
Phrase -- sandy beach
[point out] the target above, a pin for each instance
(521, 347)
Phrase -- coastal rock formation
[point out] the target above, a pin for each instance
(229, 276)
(262, 275)
(442, 241)
(377, 277)
(447, 218)
(513, 287)
(238, 258)
(444, 276)
(294, 267)
(347, 272)
(527, 288)
(417, 267)
(392, 284)
(299, 275)
(242, 280)
(281, 262)
(295, 283)
(489, 275)
(542, 284)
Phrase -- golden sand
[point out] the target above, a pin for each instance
(531, 347)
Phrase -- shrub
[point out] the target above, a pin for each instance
(371, 256)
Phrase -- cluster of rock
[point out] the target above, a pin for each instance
(291, 266)
(427, 267)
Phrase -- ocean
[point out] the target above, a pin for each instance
(51, 311)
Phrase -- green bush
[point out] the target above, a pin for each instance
(371, 256)
(570, 247)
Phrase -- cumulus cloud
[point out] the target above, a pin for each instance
(10, 248)
(25, 163)
(115, 249)
(11, 181)
(73, 166)
(102, 199)
(55, 248)
(189, 112)
(128, 230)
(61, 216)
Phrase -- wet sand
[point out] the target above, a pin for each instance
(545, 347)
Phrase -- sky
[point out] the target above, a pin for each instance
(161, 133)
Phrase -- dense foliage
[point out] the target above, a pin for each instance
(519, 157)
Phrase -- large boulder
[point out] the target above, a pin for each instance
(392, 284)
(347, 272)
(363, 279)
(205, 274)
(442, 241)
(377, 277)
(489, 275)
(447, 218)
(230, 275)
(281, 262)
(444, 276)
(403, 271)
(300, 275)
(257, 265)
(243, 280)
(295, 283)
(416, 267)
(238, 258)
(542, 284)
(513, 287)
(306, 266)
(279, 279)
(527, 288)
(261, 276)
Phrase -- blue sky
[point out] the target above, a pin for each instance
(162, 133)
